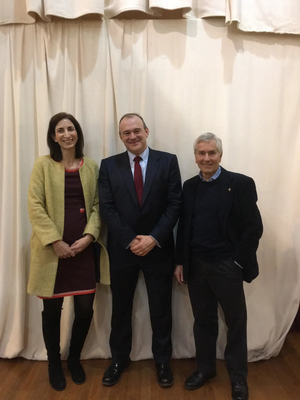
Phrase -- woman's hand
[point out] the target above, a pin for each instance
(81, 244)
(62, 249)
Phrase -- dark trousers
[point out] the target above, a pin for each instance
(158, 279)
(210, 283)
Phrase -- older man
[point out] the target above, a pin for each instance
(218, 236)
(140, 198)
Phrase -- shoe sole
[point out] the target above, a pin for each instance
(166, 385)
(58, 389)
(110, 384)
(78, 382)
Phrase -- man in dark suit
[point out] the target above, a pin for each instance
(218, 234)
(140, 198)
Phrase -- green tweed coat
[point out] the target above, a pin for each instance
(46, 201)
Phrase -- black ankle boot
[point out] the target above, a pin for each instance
(51, 334)
(56, 376)
(77, 372)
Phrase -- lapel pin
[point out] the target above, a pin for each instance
(229, 189)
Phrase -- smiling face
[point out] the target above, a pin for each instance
(65, 135)
(133, 134)
(207, 158)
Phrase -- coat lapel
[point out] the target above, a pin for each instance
(191, 199)
(124, 167)
(152, 168)
(226, 193)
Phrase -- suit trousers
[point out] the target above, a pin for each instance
(210, 283)
(158, 280)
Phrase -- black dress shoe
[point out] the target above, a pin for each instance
(239, 391)
(164, 375)
(113, 373)
(198, 379)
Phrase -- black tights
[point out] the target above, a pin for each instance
(83, 305)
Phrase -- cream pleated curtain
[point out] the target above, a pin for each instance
(278, 16)
(185, 76)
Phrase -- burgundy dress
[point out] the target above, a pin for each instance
(75, 275)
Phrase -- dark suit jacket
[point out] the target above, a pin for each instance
(239, 216)
(157, 215)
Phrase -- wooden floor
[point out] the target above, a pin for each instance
(274, 379)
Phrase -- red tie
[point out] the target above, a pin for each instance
(138, 179)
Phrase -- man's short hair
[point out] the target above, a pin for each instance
(208, 137)
(131, 115)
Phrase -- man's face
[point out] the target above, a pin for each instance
(207, 158)
(133, 135)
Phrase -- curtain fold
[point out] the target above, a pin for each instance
(155, 8)
(72, 8)
(279, 16)
(30, 11)
(185, 77)
(207, 8)
(117, 7)
(15, 12)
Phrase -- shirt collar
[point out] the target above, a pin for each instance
(213, 178)
(144, 156)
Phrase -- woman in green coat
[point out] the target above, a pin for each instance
(64, 212)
